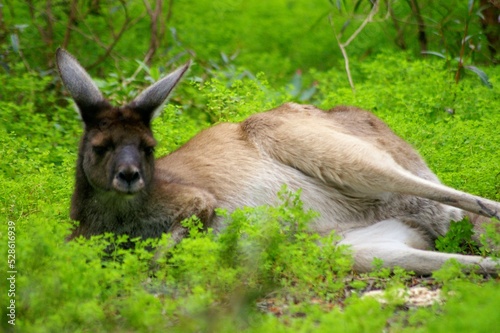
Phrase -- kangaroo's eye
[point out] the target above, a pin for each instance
(149, 150)
(100, 150)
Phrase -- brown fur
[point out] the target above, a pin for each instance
(368, 185)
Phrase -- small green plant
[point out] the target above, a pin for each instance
(490, 239)
(458, 239)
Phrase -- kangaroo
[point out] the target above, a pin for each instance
(368, 185)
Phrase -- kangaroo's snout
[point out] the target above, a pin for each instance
(127, 178)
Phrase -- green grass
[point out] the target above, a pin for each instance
(216, 282)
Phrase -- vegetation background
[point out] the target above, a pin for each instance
(428, 68)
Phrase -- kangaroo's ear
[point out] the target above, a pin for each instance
(85, 93)
(150, 102)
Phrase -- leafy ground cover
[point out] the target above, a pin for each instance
(265, 272)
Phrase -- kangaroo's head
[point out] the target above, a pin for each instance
(116, 151)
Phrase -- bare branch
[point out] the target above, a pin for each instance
(47, 33)
(400, 41)
(71, 20)
(50, 25)
(157, 30)
(344, 45)
(422, 38)
(462, 47)
(170, 10)
(116, 39)
(368, 19)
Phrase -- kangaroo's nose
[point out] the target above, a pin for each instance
(129, 175)
(128, 179)
(127, 172)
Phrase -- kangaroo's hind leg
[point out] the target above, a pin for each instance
(345, 161)
(397, 244)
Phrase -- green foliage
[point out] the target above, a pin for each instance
(490, 239)
(397, 275)
(458, 239)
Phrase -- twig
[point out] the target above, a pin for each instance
(368, 19)
(50, 29)
(111, 46)
(46, 34)
(156, 32)
(422, 38)
(71, 21)
(170, 10)
(344, 45)
(95, 39)
(462, 47)
(3, 28)
(116, 36)
(346, 62)
(400, 41)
